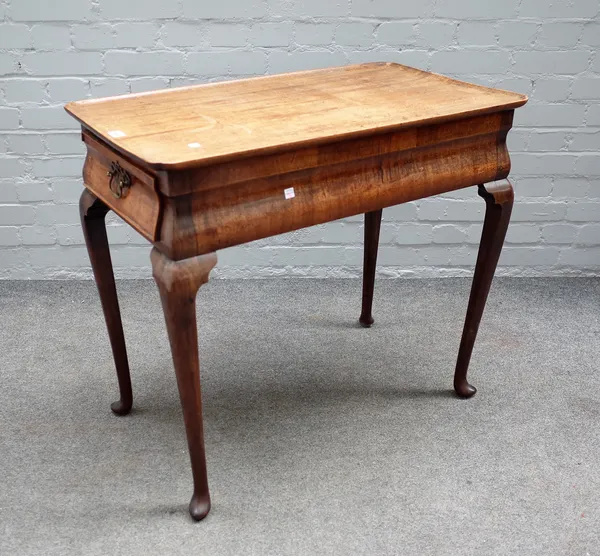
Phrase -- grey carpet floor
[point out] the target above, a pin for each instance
(322, 437)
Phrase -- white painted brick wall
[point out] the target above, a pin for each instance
(54, 52)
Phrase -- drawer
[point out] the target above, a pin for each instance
(125, 188)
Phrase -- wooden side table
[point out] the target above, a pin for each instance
(197, 169)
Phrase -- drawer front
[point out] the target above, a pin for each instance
(125, 188)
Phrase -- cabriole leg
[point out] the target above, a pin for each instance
(93, 212)
(178, 283)
(499, 201)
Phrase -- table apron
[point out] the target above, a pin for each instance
(205, 221)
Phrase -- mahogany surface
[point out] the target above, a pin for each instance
(201, 168)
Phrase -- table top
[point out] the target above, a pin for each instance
(203, 124)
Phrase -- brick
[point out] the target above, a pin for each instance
(226, 9)
(9, 236)
(227, 34)
(448, 233)
(551, 8)
(355, 34)
(529, 256)
(593, 115)
(16, 215)
(517, 139)
(316, 8)
(559, 34)
(10, 167)
(538, 212)
(583, 212)
(284, 61)
(588, 164)
(404, 10)
(66, 90)
(51, 37)
(594, 188)
(108, 87)
(9, 118)
(93, 37)
(475, 9)
(562, 63)
(552, 89)
(591, 34)
(65, 143)
(24, 90)
(397, 32)
(435, 34)
(184, 34)
(585, 88)
(15, 36)
(523, 233)
(584, 140)
(236, 62)
(47, 117)
(135, 35)
(584, 258)
(50, 214)
(8, 64)
(522, 85)
(67, 167)
(143, 63)
(148, 84)
(459, 62)
(3, 145)
(139, 9)
(26, 143)
(70, 235)
(533, 187)
(271, 34)
(65, 10)
(8, 190)
(117, 235)
(570, 188)
(550, 115)
(588, 235)
(476, 33)
(31, 192)
(406, 233)
(38, 235)
(559, 233)
(433, 209)
(329, 233)
(67, 191)
(63, 63)
(400, 213)
(545, 140)
(314, 34)
(516, 33)
(534, 164)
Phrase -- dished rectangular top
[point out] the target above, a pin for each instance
(201, 124)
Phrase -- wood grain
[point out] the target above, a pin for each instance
(178, 283)
(218, 165)
(141, 207)
(499, 199)
(282, 112)
(211, 219)
(93, 212)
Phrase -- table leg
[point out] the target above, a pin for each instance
(93, 212)
(372, 225)
(499, 198)
(178, 283)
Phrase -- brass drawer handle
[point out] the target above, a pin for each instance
(120, 181)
